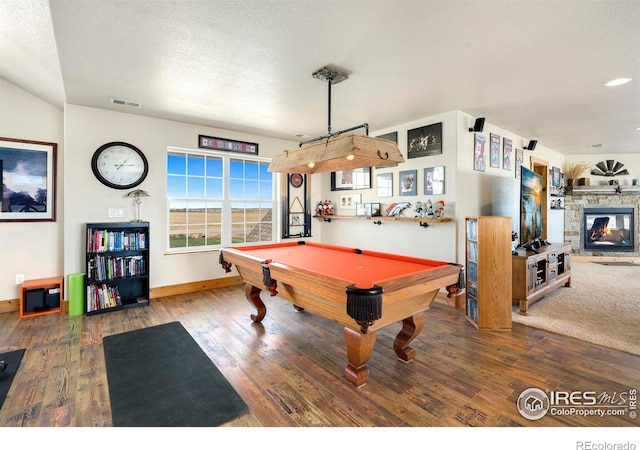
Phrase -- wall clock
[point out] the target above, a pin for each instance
(119, 165)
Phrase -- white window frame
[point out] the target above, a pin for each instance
(226, 224)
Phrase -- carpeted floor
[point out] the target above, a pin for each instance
(160, 377)
(602, 306)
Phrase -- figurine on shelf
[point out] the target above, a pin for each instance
(319, 208)
(428, 209)
(418, 209)
(327, 208)
(439, 210)
(394, 209)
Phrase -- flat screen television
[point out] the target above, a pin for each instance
(530, 206)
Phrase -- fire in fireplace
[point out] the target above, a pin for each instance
(608, 229)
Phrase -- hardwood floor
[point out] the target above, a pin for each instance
(289, 369)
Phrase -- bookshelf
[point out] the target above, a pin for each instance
(117, 263)
(488, 263)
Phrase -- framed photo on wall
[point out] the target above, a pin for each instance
(434, 180)
(28, 170)
(384, 185)
(424, 141)
(408, 180)
(479, 159)
(351, 179)
(494, 150)
(507, 151)
(519, 159)
(348, 201)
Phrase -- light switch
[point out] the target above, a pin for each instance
(116, 212)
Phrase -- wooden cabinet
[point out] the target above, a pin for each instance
(117, 260)
(535, 274)
(488, 265)
(41, 296)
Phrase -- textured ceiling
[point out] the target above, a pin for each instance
(531, 67)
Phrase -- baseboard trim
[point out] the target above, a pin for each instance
(196, 286)
(9, 305)
(584, 258)
(13, 305)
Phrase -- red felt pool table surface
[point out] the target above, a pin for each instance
(363, 268)
(322, 278)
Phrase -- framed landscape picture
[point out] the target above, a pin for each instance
(28, 170)
(424, 141)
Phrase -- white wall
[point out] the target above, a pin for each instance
(89, 201)
(467, 193)
(30, 248)
(438, 241)
(631, 163)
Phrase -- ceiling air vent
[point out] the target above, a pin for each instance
(121, 102)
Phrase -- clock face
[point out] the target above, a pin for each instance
(119, 165)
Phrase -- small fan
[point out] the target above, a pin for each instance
(609, 169)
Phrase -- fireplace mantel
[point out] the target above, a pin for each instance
(604, 190)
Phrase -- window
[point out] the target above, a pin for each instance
(216, 199)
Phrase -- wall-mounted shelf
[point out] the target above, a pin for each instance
(377, 220)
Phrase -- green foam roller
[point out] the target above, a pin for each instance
(76, 294)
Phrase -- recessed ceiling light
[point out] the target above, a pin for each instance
(617, 82)
(637, 128)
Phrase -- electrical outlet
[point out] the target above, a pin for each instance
(20, 278)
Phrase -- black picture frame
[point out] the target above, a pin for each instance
(227, 145)
(29, 196)
(424, 141)
(350, 179)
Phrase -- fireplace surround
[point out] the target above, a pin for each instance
(581, 198)
(608, 229)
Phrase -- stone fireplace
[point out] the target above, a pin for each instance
(599, 221)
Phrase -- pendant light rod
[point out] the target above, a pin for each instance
(329, 80)
(319, 138)
(332, 76)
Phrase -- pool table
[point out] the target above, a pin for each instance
(359, 289)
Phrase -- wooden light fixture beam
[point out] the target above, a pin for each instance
(336, 151)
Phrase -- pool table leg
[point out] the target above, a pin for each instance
(253, 295)
(359, 349)
(411, 327)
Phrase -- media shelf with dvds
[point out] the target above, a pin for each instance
(117, 264)
(488, 267)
